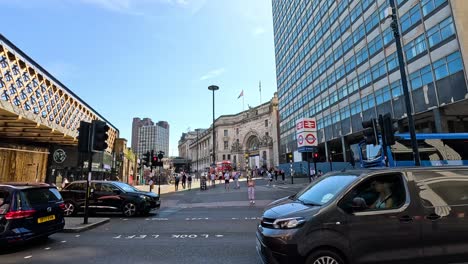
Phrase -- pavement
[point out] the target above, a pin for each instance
(191, 227)
(170, 188)
(75, 224)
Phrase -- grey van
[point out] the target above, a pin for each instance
(400, 215)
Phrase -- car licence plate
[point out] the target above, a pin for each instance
(46, 219)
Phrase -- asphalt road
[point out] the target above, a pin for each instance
(192, 227)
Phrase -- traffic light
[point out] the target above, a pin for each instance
(157, 159)
(83, 137)
(100, 136)
(371, 134)
(390, 126)
(146, 158)
(315, 156)
(289, 157)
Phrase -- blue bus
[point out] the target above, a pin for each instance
(435, 149)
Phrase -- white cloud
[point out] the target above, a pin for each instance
(212, 74)
(258, 31)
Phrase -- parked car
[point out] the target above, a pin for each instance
(109, 196)
(29, 211)
(401, 215)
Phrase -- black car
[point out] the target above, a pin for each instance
(402, 215)
(109, 196)
(29, 211)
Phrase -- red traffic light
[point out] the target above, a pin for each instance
(315, 155)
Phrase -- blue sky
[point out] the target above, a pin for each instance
(151, 58)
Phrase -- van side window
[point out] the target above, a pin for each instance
(380, 192)
(443, 188)
(4, 201)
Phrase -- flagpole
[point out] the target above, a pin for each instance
(243, 108)
(260, 89)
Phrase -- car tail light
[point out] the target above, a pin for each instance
(19, 214)
(62, 206)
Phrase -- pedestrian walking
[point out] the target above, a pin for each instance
(270, 178)
(282, 175)
(184, 180)
(220, 177)
(213, 179)
(320, 174)
(189, 181)
(251, 190)
(275, 173)
(236, 179)
(227, 185)
(176, 182)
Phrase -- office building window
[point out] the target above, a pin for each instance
(429, 5)
(388, 36)
(448, 65)
(355, 107)
(396, 89)
(392, 62)
(266, 123)
(421, 77)
(440, 32)
(415, 47)
(226, 145)
(410, 18)
(224, 157)
(368, 102)
(225, 133)
(237, 131)
(383, 95)
(379, 70)
(229, 156)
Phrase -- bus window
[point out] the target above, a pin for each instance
(456, 149)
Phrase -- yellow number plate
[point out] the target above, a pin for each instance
(46, 219)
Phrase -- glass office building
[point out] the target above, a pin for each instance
(336, 61)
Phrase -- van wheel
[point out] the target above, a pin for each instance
(324, 257)
(70, 209)
(129, 209)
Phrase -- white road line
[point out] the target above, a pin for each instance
(77, 236)
(63, 241)
(47, 248)
(28, 257)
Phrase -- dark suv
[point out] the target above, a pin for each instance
(109, 196)
(29, 211)
(402, 215)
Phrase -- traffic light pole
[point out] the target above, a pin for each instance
(409, 112)
(88, 179)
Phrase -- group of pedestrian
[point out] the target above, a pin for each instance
(186, 179)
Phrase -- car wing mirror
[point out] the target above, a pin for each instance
(359, 204)
(117, 192)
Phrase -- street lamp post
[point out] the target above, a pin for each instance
(214, 88)
(409, 111)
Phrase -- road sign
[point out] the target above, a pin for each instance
(310, 138)
(300, 140)
(306, 124)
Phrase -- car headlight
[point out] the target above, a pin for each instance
(143, 197)
(288, 223)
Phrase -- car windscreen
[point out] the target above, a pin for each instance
(126, 187)
(39, 196)
(325, 189)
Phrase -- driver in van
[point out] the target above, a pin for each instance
(385, 200)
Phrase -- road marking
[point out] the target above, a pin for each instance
(157, 219)
(63, 241)
(125, 219)
(197, 219)
(27, 257)
(47, 248)
(173, 236)
(77, 236)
